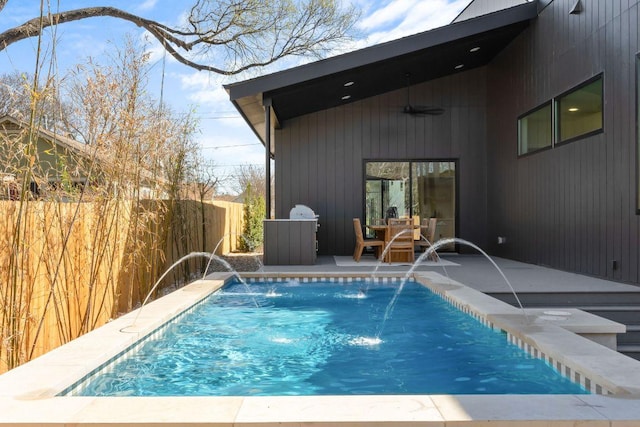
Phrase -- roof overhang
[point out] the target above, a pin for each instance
(378, 69)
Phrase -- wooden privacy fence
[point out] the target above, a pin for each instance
(67, 268)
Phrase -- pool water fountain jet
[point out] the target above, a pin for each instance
(384, 253)
(229, 267)
(432, 249)
(386, 250)
(362, 293)
(167, 271)
(260, 266)
(381, 262)
(233, 271)
(211, 257)
(273, 293)
(366, 341)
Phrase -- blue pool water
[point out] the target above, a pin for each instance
(293, 338)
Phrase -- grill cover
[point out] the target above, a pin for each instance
(302, 212)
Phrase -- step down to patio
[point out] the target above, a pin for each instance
(630, 350)
(631, 337)
(627, 314)
(570, 299)
(621, 307)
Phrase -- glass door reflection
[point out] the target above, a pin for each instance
(419, 189)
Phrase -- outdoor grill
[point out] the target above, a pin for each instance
(303, 212)
(291, 241)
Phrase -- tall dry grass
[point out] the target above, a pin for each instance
(78, 266)
(81, 242)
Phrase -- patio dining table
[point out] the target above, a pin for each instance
(383, 232)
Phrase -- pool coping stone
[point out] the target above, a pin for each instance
(28, 394)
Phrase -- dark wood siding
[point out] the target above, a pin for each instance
(571, 207)
(319, 157)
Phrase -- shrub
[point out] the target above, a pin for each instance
(254, 207)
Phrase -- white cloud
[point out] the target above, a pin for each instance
(205, 89)
(393, 11)
(147, 5)
(401, 18)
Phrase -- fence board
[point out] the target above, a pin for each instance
(67, 268)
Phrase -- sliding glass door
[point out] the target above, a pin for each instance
(388, 190)
(421, 189)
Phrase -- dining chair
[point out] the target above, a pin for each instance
(416, 227)
(361, 242)
(429, 235)
(400, 238)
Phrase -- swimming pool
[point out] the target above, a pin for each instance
(326, 337)
(34, 393)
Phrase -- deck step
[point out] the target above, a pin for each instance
(632, 351)
(629, 315)
(618, 307)
(621, 307)
(631, 337)
(570, 299)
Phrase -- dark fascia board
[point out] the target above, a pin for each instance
(382, 52)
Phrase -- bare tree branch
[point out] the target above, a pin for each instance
(242, 34)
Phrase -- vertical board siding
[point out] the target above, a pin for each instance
(571, 207)
(337, 141)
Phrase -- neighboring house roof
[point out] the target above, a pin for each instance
(11, 124)
(60, 140)
(378, 69)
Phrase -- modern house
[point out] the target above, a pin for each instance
(515, 126)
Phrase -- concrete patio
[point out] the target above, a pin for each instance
(477, 272)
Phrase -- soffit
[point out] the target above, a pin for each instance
(378, 69)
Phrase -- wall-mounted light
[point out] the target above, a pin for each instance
(573, 109)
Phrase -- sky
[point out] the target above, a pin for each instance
(225, 139)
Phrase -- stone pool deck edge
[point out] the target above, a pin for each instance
(28, 393)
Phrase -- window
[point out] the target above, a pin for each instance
(535, 130)
(414, 188)
(579, 112)
(575, 114)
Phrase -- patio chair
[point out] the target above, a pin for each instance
(400, 238)
(430, 235)
(362, 243)
(416, 227)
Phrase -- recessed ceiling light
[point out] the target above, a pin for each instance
(474, 49)
(457, 67)
(574, 109)
(344, 98)
(347, 84)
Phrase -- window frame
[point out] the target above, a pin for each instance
(556, 126)
(549, 104)
(411, 161)
(557, 129)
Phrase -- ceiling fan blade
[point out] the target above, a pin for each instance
(419, 110)
(422, 110)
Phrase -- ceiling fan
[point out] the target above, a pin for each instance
(419, 110)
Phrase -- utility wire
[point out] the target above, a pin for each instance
(230, 146)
